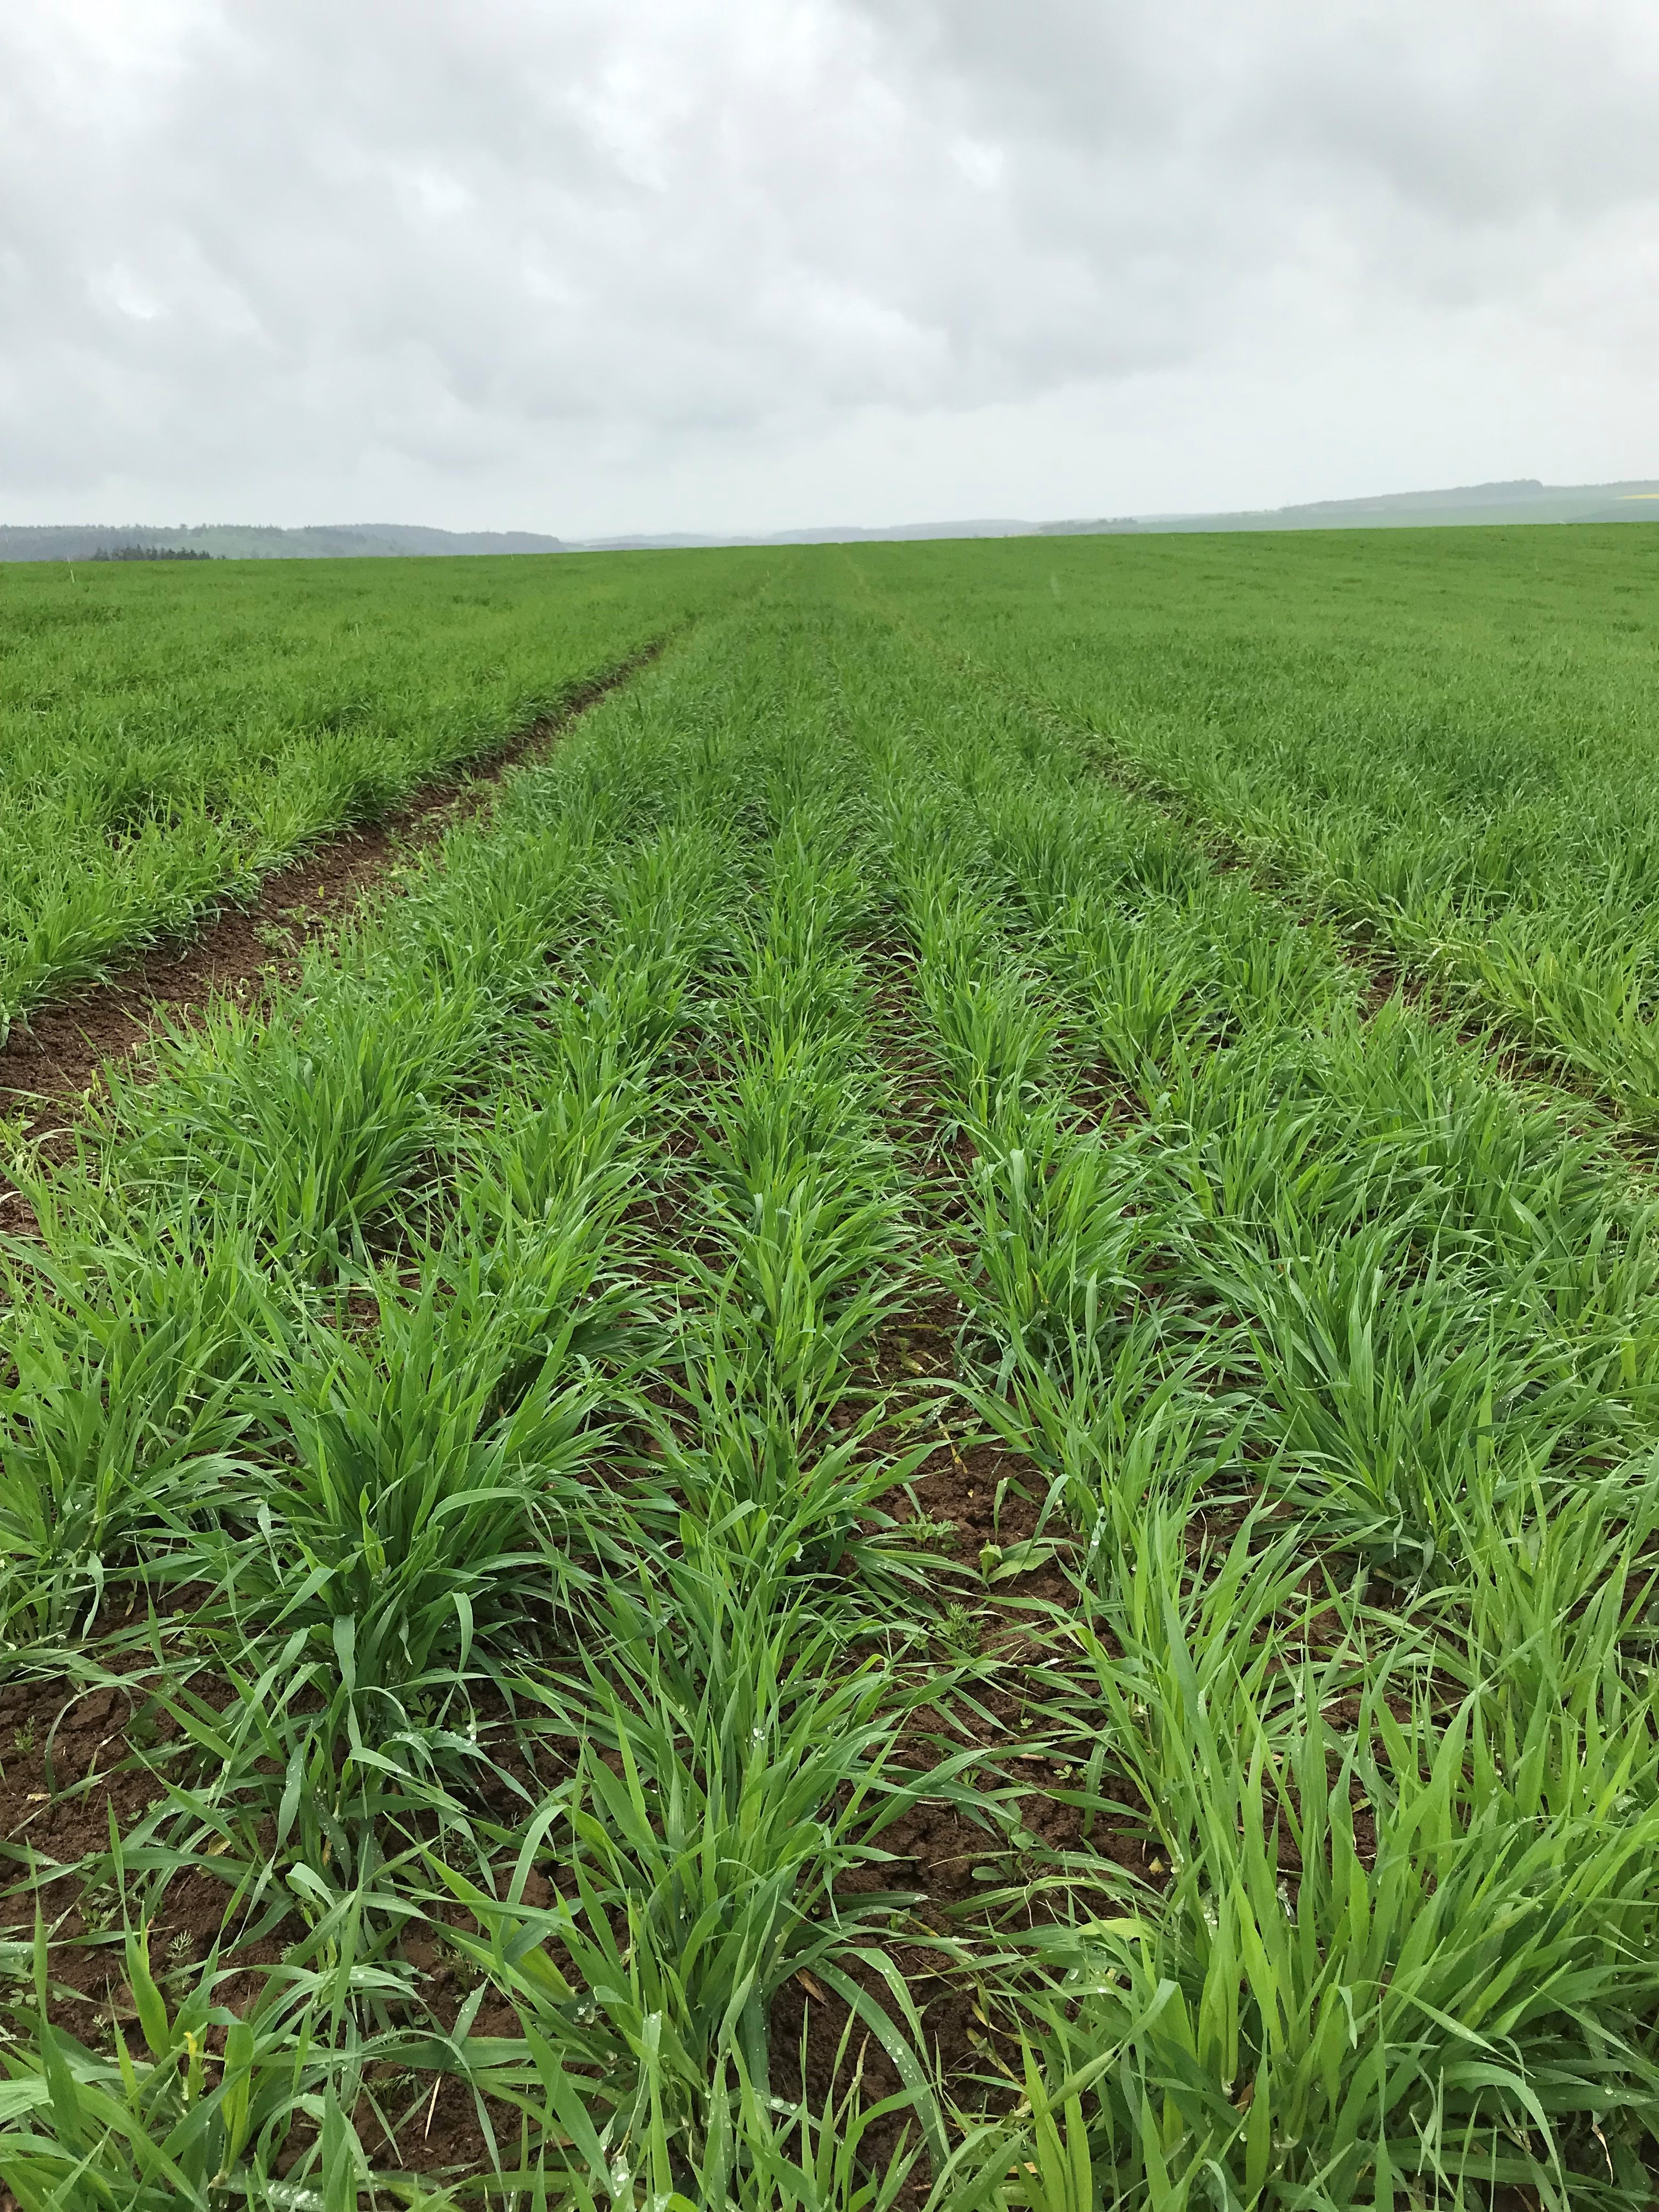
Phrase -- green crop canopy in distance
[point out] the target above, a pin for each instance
(1446, 738)
(830, 1481)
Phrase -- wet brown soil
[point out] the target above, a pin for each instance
(75, 1751)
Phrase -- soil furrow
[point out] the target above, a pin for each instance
(56, 1055)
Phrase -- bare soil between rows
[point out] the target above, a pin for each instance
(56, 1054)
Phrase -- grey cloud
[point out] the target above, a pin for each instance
(268, 243)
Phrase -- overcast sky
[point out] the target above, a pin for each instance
(596, 266)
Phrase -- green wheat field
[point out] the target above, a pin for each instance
(895, 1446)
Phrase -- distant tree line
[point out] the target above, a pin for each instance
(149, 553)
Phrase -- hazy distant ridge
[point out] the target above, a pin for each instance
(237, 541)
(1523, 500)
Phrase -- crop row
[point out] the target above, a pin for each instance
(1446, 742)
(452, 1415)
(166, 740)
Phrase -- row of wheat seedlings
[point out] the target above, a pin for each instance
(446, 1406)
(317, 1366)
(1467, 783)
(166, 740)
(500, 1574)
(1339, 1361)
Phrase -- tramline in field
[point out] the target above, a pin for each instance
(165, 742)
(1444, 740)
(828, 1480)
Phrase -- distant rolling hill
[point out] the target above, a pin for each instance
(1523, 500)
(236, 541)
